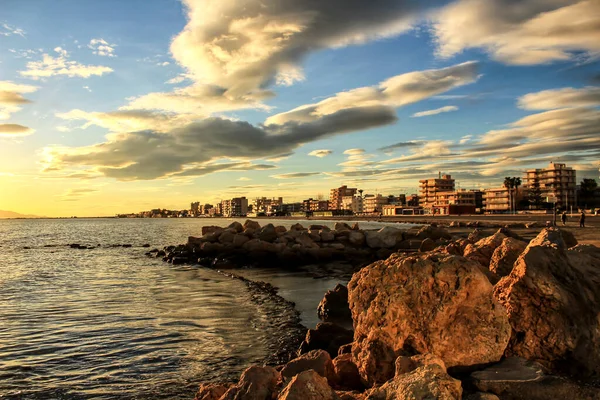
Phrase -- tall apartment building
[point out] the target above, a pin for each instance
(336, 195)
(353, 203)
(374, 203)
(236, 207)
(558, 183)
(195, 208)
(496, 200)
(267, 205)
(430, 188)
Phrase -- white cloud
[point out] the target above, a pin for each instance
(396, 91)
(163, 64)
(50, 66)
(522, 33)
(561, 98)
(101, 47)
(354, 152)
(178, 79)
(244, 178)
(62, 52)
(11, 97)
(7, 30)
(440, 110)
(320, 153)
(87, 88)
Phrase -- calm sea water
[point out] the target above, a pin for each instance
(110, 323)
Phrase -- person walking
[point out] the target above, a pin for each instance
(563, 218)
(582, 220)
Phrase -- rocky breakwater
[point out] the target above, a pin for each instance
(249, 244)
(433, 325)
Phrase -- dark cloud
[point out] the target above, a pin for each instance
(295, 175)
(399, 145)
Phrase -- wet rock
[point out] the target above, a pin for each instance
(426, 303)
(179, 260)
(210, 391)
(427, 245)
(326, 336)
(236, 226)
(317, 360)
(385, 237)
(483, 249)
(553, 307)
(519, 379)
(334, 305)
(426, 378)
(308, 385)
(505, 255)
(347, 372)
(256, 383)
(249, 224)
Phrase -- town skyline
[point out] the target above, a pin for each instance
(156, 103)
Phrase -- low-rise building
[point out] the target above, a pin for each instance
(353, 203)
(496, 200)
(374, 203)
(557, 184)
(267, 206)
(315, 205)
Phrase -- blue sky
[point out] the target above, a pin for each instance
(112, 106)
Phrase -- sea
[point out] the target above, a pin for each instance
(111, 323)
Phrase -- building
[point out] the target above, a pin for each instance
(374, 203)
(267, 206)
(398, 209)
(413, 200)
(496, 200)
(289, 208)
(315, 205)
(557, 184)
(336, 195)
(236, 207)
(352, 203)
(195, 208)
(460, 201)
(429, 189)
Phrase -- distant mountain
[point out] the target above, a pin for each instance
(12, 214)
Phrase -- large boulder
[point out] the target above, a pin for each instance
(505, 255)
(306, 241)
(256, 383)
(356, 238)
(267, 233)
(433, 233)
(249, 224)
(386, 237)
(317, 360)
(210, 391)
(483, 249)
(341, 226)
(239, 240)
(418, 378)
(327, 235)
(553, 306)
(347, 372)
(326, 336)
(210, 229)
(425, 303)
(334, 305)
(236, 226)
(308, 385)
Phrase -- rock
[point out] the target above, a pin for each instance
(427, 245)
(505, 255)
(410, 244)
(210, 391)
(454, 224)
(347, 372)
(427, 378)
(341, 226)
(267, 233)
(226, 237)
(280, 229)
(568, 238)
(249, 224)
(236, 226)
(308, 385)
(530, 225)
(425, 303)
(335, 304)
(239, 240)
(386, 237)
(317, 227)
(481, 396)
(327, 236)
(210, 229)
(317, 360)
(305, 240)
(254, 384)
(211, 248)
(179, 260)
(356, 238)
(249, 232)
(355, 227)
(475, 236)
(346, 395)
(345, 349)
(326, 336)
(519, 379)
(433, 233)
(483, 249)
(336, 246)
(315, 236)
(297, 227)
(553, 307)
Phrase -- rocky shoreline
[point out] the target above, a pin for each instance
(488, 316)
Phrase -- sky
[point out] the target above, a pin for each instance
(121, 106)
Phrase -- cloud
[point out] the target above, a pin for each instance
(11, 97)
(62, 52)
(77, 193)
(294, 175)
(150, 154)
(12, 130)
(50, 66)
(440, 110)
(178, 79)
(244, 178)
(320, 153)
(101, 47)
(561, 98)
(399, 145)
(7, 30)
(354, 152)
(526, 32)
(394, 92)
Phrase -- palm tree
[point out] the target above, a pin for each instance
(509, 184)
(516, 184)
